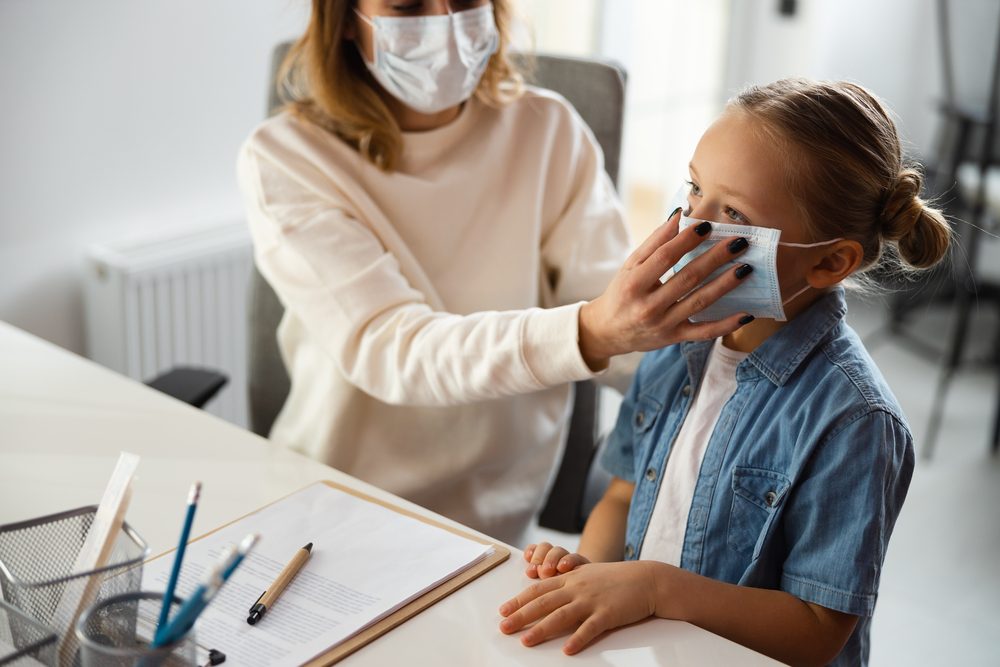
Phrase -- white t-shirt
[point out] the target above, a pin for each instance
(664, 539)
(431, 318)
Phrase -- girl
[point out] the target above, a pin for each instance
(433, 229)
(758, 476)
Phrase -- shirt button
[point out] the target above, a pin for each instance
(686, 390)
(651, 474)
(629, 551)
(770, 498)
(640, 419)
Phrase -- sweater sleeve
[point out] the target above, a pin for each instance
(586, 240)
(332, 271)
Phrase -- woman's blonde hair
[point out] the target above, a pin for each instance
(846, 169)
(324, 79)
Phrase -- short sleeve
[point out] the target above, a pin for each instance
(838, 522)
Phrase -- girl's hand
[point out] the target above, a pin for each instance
(546, 560)
(586, 602)
(637, 313)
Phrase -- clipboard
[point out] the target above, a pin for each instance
(342, 650)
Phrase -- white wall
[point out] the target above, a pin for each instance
(558, 26)
(889, 46)
(119, 118)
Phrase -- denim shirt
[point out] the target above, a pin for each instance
(803, 476)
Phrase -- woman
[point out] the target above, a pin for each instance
(434, 229)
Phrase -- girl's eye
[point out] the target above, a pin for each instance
(694, 188)
(404, 7)
(735, 215)
(418, 5)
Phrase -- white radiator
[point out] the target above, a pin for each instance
(179, 300)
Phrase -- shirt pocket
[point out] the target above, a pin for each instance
(646, 411)
(757, 494)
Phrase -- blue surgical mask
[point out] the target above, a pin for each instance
(759, 294)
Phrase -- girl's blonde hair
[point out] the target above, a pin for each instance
(325, 80)
(846, 169)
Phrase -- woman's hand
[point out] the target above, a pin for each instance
(546, 560)
(586, 602)
(637, 313)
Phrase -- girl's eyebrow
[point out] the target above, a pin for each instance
(722, 188)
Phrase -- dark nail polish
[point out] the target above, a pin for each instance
(738, 245)
(703, 228)
(744, 271)
(746, 319)
(674, 212)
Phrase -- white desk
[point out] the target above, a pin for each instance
(63, 421)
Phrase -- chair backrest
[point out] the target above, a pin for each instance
(596, 89)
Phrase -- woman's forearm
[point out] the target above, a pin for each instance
(771, 622)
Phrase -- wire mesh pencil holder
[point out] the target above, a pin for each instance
(37, 557)
(23, 640)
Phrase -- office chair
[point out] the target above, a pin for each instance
(194, 386)
(597, 90)
(966, 175)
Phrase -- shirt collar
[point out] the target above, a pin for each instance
(781, 354)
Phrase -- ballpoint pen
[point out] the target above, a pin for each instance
(168, 595)
(268, 597)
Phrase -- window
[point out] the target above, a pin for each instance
(675, 54)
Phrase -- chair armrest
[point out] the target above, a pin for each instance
(194, 386)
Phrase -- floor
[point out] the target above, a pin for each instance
(939, 600)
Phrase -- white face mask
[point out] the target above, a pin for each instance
(432, 63)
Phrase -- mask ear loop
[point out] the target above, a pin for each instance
(364, 18)
(357, 44)
(796, 295)
(805, 245)
(811, 245)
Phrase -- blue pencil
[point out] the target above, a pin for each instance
(241, 552)
(192, 607)
(199, 599)
(168, 595)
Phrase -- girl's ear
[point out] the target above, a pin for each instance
(838, 262)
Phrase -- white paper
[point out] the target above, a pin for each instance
(367, 561)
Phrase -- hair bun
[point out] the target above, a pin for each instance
(903, 206)
(921, 232)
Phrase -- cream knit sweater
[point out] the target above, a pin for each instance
(431, 313)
